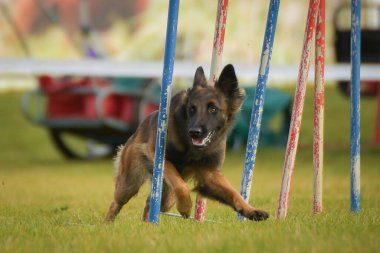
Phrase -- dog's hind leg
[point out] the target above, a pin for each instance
(127, 185)
(145, 216)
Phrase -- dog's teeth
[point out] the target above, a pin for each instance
(204, 141)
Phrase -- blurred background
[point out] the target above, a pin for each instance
(129, 32)
(135, 30)
(77, 77)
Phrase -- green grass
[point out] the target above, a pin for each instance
(49, 204)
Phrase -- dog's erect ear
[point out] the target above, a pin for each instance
(227, 81)
(178, 104)
(228, 84)
(199, 78)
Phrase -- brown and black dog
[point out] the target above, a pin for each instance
(199, 122)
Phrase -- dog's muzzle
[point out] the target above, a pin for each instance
(198, 139)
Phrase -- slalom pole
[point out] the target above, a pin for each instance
(355, 104)
(295, 124)
(319, 93)
(158, 168)
(220, 26)
(258, 104)
(217, 50)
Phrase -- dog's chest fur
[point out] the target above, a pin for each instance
(189, 160)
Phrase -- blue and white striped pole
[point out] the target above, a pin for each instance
(258, 104)
(355, 104)
(158, 169)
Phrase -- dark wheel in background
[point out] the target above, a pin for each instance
(80, 148)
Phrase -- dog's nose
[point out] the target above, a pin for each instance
(195, 131)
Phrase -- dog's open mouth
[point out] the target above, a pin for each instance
(202, 142)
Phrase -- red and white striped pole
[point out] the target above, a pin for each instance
(220, 27)
(298, 104)
(217, 51)
(319, 93)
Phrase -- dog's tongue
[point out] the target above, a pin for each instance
(198, 142)
(202, 142)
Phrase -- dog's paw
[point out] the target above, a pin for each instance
(258, 215)
(185, 215)
(184, 207)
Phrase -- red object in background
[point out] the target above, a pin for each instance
(54, 85)
(122, 107)
(149, 108)
(71, 106)
(64, 103)
(66, 100)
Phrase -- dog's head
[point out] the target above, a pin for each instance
(211, 110)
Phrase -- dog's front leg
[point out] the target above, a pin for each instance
(212, 184)
(167, 201)
(176, 183)
(181, 191)
(180, 188)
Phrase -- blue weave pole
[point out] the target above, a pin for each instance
(258, 104)
(355, 104)
(158, 168)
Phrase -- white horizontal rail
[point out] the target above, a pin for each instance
(108, 68)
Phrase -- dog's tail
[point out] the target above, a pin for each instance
(117, 158)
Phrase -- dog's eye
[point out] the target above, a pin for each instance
(192, 109)
(212, 109)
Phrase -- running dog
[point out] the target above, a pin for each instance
(199, 121)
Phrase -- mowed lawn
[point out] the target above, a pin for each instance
(49, 204)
